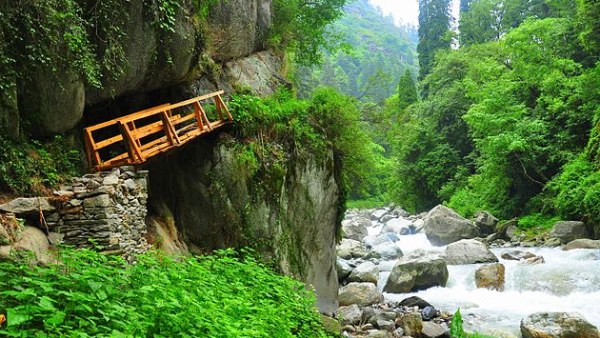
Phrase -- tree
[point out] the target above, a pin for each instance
(407, 90)
(434, 32)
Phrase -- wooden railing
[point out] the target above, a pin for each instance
(134, 138)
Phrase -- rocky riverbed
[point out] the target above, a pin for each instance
(405, 275)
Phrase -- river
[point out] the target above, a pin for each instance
(568, 281)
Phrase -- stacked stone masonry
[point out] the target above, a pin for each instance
(104, 210)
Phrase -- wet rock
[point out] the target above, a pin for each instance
(398, 225)
(365, 272)
(428, 313)
(551, 242)
(351, 314)
(349, 248)
(533, 260)
(582, 243)
(444, 226)
(557, 325)
(379, 334)
(486, 223)
(399, 212)
(386, 325)
(415, 301)
(356, 229)
(388, 251)
(468, 251)
(28, 206)
(331, 325)
(567, 231)
(490, 276)
(385, 316)
(412, 324)
(343, 268)
(361, 294)
(377, 214)
(434, 330)
(417, 273)
(517, 255)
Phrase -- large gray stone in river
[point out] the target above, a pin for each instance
(444, 226)
(583, 243)
(349, 248)
(356, 229)
(388, 251)
(486, 223)
(365, 272)
(468, 251)
(557, 325)
(567, 231)
(417, 273)
(490, 276)
(361, 294)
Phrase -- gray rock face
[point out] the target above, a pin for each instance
(259, 71)
(444, 226)
(35, 242)
(413, 274)
(343, 268)
(365, 272)
(27, 206)
(486, 223)
(557, 325)
(361, 294)
(356, 229)
(434, 330)
(468, 251)
(583, 243)
(388, 251)
(350, 315)
(490, 276)
(11, 230)
(412, 324)
(295, 220)
(568, 231)
(398, 225)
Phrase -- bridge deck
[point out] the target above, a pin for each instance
(137, 137)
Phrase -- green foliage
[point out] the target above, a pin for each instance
(456, 326)
(434, 32)
(31, 167)
(537, 221)
(407, 91)
(93, 295)
(378, 52)
(300, 26)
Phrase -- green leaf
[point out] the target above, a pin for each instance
(56, 319)
(46, 303)
(14, 317)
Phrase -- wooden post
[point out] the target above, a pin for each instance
(131, 144)
(224, 107)
(169, 129)
(198, 112)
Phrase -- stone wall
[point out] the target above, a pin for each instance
(105, 210)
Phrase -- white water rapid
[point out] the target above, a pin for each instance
(568, 281)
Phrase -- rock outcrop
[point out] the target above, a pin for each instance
(557, 325)
(417, 273)
(468, 251)
(490, 276)
(444, 226)
(567, 231)
(361, 294)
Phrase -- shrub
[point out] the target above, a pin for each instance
(89, 295)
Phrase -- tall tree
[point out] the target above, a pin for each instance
(407, 90)
(434, 32)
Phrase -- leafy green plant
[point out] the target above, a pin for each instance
(228, 294)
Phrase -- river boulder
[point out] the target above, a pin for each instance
(350, 315)
(486, 223)
(517, 255)
(567, 231)
(468, 251)
(557, 325)
(361, 294)
(356, 229)
(349, 248)
(412, 324)
(398, 225)
(365, 272)
(387, 251)
(490, 276)
(444, 226)
(417, 273)
(583, 243)
(344, 269)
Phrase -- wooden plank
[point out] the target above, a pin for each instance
(195, 99)
(132, 148)
(107, 142)
(92, 148)
(153, 143)
(219, 99)
(198, 113)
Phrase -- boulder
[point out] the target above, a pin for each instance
(417, 273)
(331, 325)
(356, 229)
(388, 251)
(372, 240)
(582, 243)
(361, 294)
(434, 330)
(414, 301)
(382, 316)
(378, 214)
(486, 223)
(365, 272)
(28, 206)
(412, 324)
(428, 313)
(533, 260)
(490, 276)
(501, 230)
(398, 225)
(418, 225)
(11, 230)
(349, 248)
(557, 325)
(468, 251)
(567, 231)
(35, 242)
(444, 226)
(343, 268)
(350, 315)
(399, 212)
(516, 255)
(379, 334)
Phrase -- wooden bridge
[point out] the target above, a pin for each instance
(135, 138)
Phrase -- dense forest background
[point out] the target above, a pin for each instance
(504, 116)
